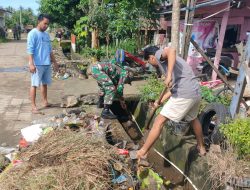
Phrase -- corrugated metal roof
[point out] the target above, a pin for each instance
(204, 3)
(4, 10)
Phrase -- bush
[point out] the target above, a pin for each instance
(3, 40)
(208, 95)
(128, 45)
(92, 52)
(55, 44)
(238, 133)
(152, 89)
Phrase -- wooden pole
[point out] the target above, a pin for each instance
(175, 25)
(185, 28)
(221, 40)
(188, 25)
(211, 64)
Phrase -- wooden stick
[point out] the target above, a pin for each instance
(211, 64)
(154, 109)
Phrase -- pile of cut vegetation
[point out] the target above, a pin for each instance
(229, 163)
(63, 159)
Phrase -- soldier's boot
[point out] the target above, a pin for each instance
(106, 113)
(100, 103)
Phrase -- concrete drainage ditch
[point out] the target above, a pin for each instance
(179, 147)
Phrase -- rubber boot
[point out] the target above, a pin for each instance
(100, 103)
(106, 113)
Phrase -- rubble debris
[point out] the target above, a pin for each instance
(75, 111)
(89, 99)
(4, 162)
(70, 68)
(69, 101)
(6, 150)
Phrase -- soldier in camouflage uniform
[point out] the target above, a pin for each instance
(111, 79)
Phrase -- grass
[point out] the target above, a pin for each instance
(3, 40)
(55, 44)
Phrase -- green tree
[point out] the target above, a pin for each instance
(106, 19)
(13, 18)
(63, 12)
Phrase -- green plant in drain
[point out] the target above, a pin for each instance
(238, 134)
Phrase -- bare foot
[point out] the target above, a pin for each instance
(49, 105)
(201, 150)
(36, 111)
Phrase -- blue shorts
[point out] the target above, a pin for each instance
(42, 76)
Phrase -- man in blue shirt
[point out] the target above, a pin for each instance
(40, 56)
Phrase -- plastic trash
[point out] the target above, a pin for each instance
(11, 156)
(23, 143)
(123, 151)
(66, 76)
(120, 179)
(17, 162)
(6, 150)
(32, 133)
(147, 176)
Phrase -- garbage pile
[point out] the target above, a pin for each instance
(75, 150)
(70, 68)
(71, 154)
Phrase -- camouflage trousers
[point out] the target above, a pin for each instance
(106, 86)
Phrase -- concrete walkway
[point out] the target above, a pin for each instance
(15, 107)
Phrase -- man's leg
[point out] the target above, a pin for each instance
(44, 94)
(153, 135)
(107, 87)
(33, 98)
(35, 82)
(108, 99)
(199, 136)
(45, 80)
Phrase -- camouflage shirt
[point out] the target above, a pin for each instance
(116, 73)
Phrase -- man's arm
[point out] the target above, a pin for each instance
(120, 86)
(30, 51)
(165, 97)
(31, 64)
(170, 55)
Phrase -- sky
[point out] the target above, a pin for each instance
(17, 3)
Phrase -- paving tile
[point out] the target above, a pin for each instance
(12, 110)
(16, 102)
(10, 117)
(26, 101)
(24, 117)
